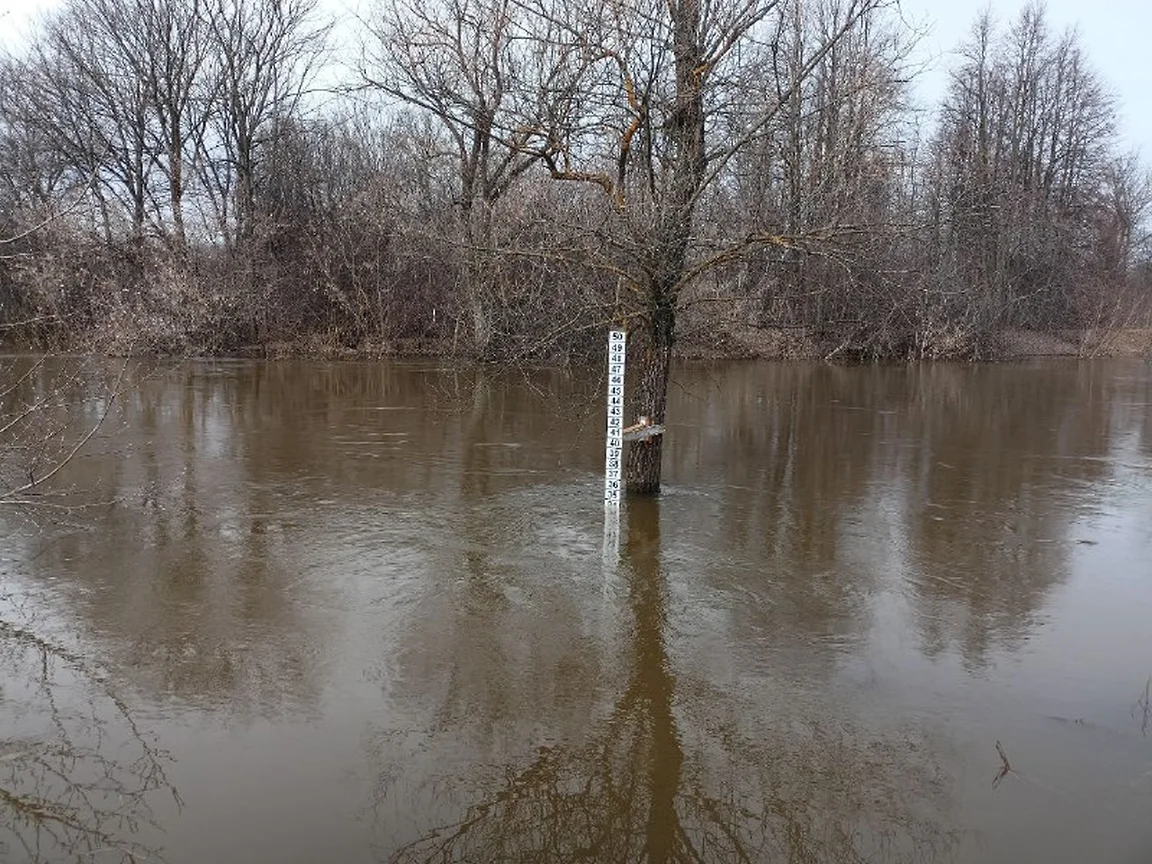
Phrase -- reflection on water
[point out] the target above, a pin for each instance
(78, 776)
(366, 610)
(635, 791)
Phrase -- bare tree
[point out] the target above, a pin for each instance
(175, 38)
(263, 56)
(1023, 146)
(644, 102)
(831, 166)
(667, 81)
(478, 67)
(93, 95)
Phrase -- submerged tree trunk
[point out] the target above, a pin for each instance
(642, 468)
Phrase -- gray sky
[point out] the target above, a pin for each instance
(1114, 33)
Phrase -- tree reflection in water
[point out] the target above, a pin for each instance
(77, 772)
(638, 792)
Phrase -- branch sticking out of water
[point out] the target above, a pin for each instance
(1144, 707)
(1005, 766)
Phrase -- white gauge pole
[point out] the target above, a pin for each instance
(614, 445)
(614, 450)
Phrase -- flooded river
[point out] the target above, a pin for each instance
(307, 612)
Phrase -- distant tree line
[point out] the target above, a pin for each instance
(502, 178)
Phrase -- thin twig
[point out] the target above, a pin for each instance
(71, 454)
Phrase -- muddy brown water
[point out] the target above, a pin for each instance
(306, 612)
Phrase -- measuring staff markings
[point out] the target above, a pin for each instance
(614, 447)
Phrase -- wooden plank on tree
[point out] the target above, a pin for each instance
(643, 431)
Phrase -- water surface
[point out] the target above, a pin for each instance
(303, 612)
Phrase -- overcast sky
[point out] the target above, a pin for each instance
(1115, 35)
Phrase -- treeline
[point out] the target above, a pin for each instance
(501, 179)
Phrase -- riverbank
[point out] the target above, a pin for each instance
(843, 344)
(801, 342)
(792, 343)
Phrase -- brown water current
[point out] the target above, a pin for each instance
(309, 612)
